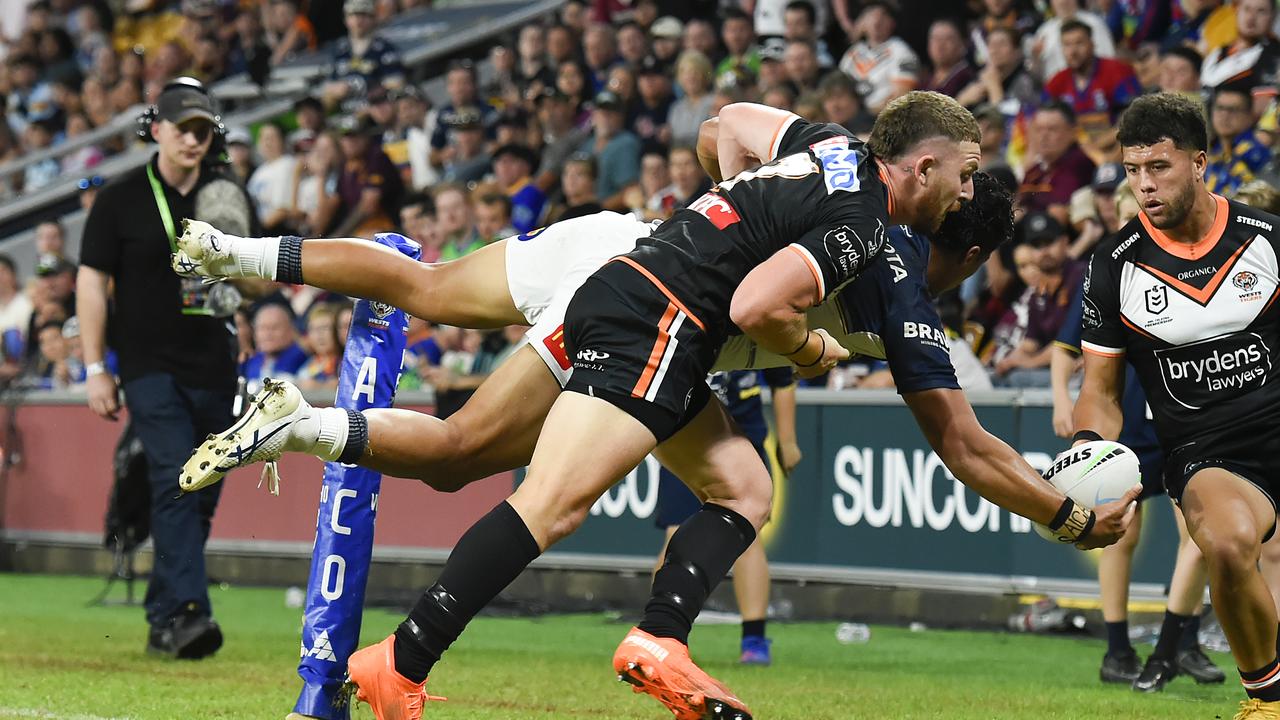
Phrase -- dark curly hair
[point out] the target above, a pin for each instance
(1164, 116)
(985, 221)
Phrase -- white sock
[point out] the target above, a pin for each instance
(321, 432)
(253, 257)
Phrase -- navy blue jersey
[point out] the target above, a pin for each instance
(1138, 432)
(891, 300)
(378, 63)
(739, 390)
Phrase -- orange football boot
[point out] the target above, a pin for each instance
(371, 673)
(661, 667)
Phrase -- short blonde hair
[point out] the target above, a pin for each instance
(1259, 194)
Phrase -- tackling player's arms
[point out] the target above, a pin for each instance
(746, 132)
(1098, 406)
(997, 472)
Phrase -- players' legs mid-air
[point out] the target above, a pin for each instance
(1228, 518)
(569, 470)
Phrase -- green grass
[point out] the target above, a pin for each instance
(59, 659)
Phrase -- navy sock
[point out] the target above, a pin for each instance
(753, 628)
(486, 559)
(1190, 639)
(1118, 638)
(1263, 683)
(1171, 631)
(698, 557)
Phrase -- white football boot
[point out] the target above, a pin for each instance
(204, 251)
(259, 436)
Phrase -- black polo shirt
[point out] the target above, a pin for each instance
(126, 239)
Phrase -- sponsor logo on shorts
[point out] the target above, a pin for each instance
(1215, 370)
(554, 343)
(592, 355)
(927, 335)
(716, 209)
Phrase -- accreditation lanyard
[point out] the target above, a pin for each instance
(194, 294)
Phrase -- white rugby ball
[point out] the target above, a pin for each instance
(1092, 474)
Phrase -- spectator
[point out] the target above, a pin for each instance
(279, 355)
(317, 201)
(666, 32)
(532, 71)
(418, 221)
(1056, 165)
(410, 129)
(461, 86)
(739, 43)
(287, 32)
(381, 112)
(801, 65)
(370, 186)
(1180, 71)
(320, 371)
(883, 65)
(1236, 154)
(15, 306)
(1046, 53)
(29, 97)
(1135, 22)
(579, 186)
(1027, 364)
(773, 73)
(600, 51)
(40, 134)
(800, 22)
(1004, 82)
(688, 180)
(992, 125)
(513, 167)
(622, 82)
(493, 216)
(51, 240)
(562, 45)
(308, 112)
(271, 185)
(617, 151)
(1253, 59)
(781, 96)
(208, 59)
(51, 370)
(561, 137)
(951, 69)
(361, 60)
(465, 159)
(647, 199)
(87, 157)
(771, 17)
(1093, 211)
(841, 104)
(240, 154)
(998, 13)
(453, 223)
(693, 75)
(1096, 88)
(653, 104)
(700, 36)
(633, 43)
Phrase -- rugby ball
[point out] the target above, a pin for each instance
(1092, 474)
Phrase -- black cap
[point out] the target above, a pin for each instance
(1040, 228)
(518, 151)
(185, 99)
(1108, 177)
(607, 100)
(361, 125)
(551, 92)
(309, 101)
(773, 49)
(50, 264)
(651, 65)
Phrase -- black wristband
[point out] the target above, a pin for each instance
(821, 353)
(800, 347)
(1088, 435)
(289, 262)
(1064, 512)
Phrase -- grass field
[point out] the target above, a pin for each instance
(59, 659)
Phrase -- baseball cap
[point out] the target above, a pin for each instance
(50, 264)
(607, 100)
(1040, 228)
(1108, 177)
(358, 7)
(651, 65)
(773, 50)
(667, 27)
(361, 125)
(185, 99)
(308, 101)
(239, 136)
(518, 151)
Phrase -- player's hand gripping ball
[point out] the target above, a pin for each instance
(1092, 474)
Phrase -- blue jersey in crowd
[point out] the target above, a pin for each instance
(739, 390)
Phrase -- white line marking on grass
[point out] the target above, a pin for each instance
(8, 712)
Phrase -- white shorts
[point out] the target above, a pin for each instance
(547, 266)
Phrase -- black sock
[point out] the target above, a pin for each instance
(486, 559)
(1190, 639)
(1263, 683)
(698, 557)
(1170, 635)
(753, 628)
(1118, 638)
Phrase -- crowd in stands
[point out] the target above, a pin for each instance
(599, 108)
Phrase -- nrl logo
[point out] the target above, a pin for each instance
(1245, 280)
(1157, 299)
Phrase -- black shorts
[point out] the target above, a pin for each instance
(635, 346)
(1151, 462)
(1252, 454)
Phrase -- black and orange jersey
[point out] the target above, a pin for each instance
(822, 197)
(1198, 322)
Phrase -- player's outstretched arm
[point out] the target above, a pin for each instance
(997, 472)
(1098, 406)
(748, 130)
